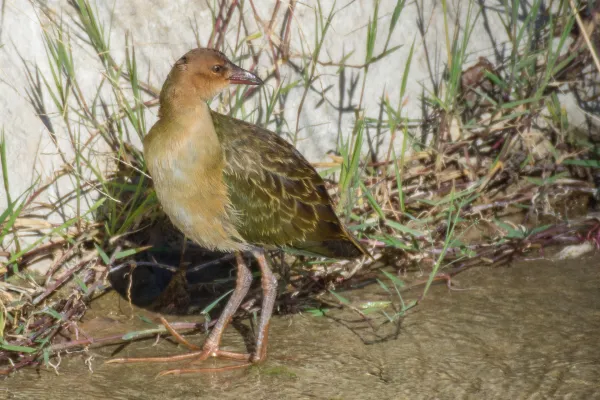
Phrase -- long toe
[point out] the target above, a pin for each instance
(230, 355)
(204, 370)
(216, 353)
(180, 357)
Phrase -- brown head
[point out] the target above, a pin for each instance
(200, 75)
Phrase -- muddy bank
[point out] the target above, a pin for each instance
(527, 331)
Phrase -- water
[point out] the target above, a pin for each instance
(529, 331)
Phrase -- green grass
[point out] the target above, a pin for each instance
(412, 201)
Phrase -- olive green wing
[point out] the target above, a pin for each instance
(280, 198)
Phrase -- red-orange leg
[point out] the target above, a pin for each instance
(269, 288)
(211, 345)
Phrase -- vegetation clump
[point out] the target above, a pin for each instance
(493, 143)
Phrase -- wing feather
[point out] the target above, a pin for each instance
(279, 197)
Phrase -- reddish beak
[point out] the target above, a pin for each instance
(241, 76)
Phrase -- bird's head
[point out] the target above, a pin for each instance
(200, 75)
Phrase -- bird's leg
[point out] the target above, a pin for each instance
(211, 345)
(242, 285)
(269, 288)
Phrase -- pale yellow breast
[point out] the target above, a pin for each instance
(186, 165)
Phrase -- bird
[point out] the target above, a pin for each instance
(235, 187)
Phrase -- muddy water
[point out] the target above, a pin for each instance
(529, 331)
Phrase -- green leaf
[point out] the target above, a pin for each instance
(372, 201)
(512, 232)
(395, 280)
(214, 303)
(396, 14)
(547, 181)
(46, 356)
(535, 181)
(372, 33)
(394, 242)
(316, 312)
(145, 319)
(81, 284)
(340, 298)
(253, 36)
(384, 286)
(103, 254)
(53, 313)
(128, 252)
(583, 163)
(405, 74)
(408, 306)
(19, 349)
(405, 229)
(539, 229)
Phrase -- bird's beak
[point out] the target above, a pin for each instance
(241, 76)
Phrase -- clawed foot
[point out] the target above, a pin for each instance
(204, 355)
(211, 346)
(196, 355)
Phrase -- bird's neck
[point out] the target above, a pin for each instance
(188, 131)
(194, 119)
(180, 101)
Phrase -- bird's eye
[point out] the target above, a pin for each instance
(217, 69)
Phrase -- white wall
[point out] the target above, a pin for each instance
(161, 31)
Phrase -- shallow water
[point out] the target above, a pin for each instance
(529, 331)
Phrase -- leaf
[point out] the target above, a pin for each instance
(394, 242)
(396, 14)
(46, 356)
(397, 281)
(374, 305)
(372, 200)
(145, 319)
(52, 312)
(340, 298)
(214, 303)
(253, 36)
(409, 306)
(130, 252)
(583, 163)
(316, 312)
(81, 284)
(20, 349)
(512, 232)
(384, 286)
(145, 332)
(405, 229)
(535, 181)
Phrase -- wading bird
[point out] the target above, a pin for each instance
(234, 187)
